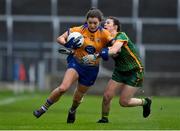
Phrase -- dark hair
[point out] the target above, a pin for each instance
(116, 22)
(94, 12)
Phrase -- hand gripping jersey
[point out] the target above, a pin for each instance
(93, 41)
(128, 58)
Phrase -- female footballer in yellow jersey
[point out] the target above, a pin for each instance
(78, 70)
(94, 41)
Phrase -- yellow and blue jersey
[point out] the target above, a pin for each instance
(93, 41)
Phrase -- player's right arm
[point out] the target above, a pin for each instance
(62, 39)
(115, 48)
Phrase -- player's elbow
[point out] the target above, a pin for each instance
(61, 40)
(58, 40)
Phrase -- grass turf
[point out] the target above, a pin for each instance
(17, 114)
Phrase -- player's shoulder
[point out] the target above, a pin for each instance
(104, 31)
(79, 28)
(122, 35)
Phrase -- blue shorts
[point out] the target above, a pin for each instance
(87, 74)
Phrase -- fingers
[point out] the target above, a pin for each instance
(76, 40)
(89, 59)
(97, 55)
(85, 60)
(72, 39)
(77, 44)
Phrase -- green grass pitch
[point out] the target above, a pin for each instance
(16, 114)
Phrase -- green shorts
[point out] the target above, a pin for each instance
(133, 77)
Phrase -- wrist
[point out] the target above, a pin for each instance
(104, 54)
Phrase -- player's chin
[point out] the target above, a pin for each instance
(105, 27)
(93, 29)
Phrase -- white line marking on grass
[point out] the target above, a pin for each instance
(11, 100)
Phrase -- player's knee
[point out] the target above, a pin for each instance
(124, 102)
(60, 90)
(63, 88)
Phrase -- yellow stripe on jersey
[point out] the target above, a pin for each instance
(121, 41)
(135, 58)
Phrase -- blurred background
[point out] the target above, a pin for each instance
(28, 50)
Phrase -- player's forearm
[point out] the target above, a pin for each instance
(106, 52)
(115, 48)
(113, 51)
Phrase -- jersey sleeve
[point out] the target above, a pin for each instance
(75, 29)
(122, 37)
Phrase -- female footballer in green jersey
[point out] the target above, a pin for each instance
(127, 74)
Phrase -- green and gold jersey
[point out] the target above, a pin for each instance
(128, 58)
